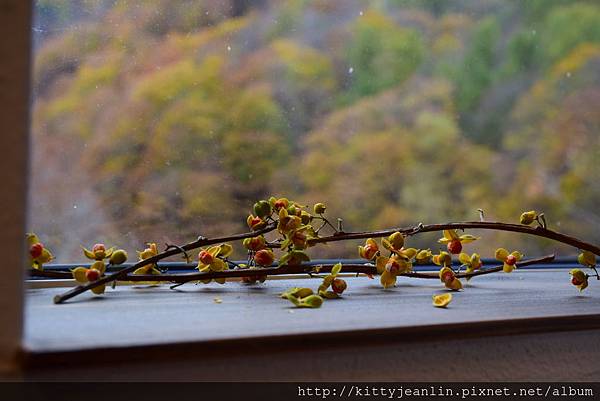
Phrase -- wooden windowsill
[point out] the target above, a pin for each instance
(159, 324)
(143, 316)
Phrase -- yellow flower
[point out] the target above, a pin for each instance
(369, 251)
(297, 292)
(98, 252)
(319, 208)
(255, 243)
(255, 223)
(423, 256)
(288, 223)
(510, 259)
(454, 241)
(311, 301)
(150, 251)
(394, 242)
(528, 217)
(579, 279)
(587, 258)
(85, 275)
(305, 217)
(441, 300)
(472, 262)
(390, 268)
(38, 253)
(449, 279)
(303, 297)
(443, 259)
(278, 204)
(211, 259)
(338, 286)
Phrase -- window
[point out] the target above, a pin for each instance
(171, 120)
(161, 123)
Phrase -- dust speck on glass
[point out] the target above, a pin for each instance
(160, 120)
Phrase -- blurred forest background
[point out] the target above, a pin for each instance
(160, 120)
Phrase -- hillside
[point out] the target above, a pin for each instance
(160, 120)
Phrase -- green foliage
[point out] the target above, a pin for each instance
(522, 51)
(476, 73)
(566, 27)
(381, 55)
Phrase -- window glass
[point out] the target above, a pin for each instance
(161, 120)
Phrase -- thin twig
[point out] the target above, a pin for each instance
(338, 236)
(200, 242)
(484, 225)
(366, 268)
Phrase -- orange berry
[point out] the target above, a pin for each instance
(370, 251)
(92, 275)
(454, 246)
(338, 285)
(447, 277)
(281, 203)
(36, 250)
(205, 257)
(392, 266)
(98, 247)
(264, 257)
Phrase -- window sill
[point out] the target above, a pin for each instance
(156, 324)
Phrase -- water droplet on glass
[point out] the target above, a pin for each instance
(350, 70)
(228, 48)
(74, 206)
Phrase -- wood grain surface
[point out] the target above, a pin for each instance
(131, 316)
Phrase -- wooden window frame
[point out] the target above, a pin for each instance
(15, 49)
(15, 76)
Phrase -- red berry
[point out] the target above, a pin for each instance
(447, 277)
(205, 257)
(256, 243)
(511, 260)
(264, 257)
(338, 285)
(299, 239)
(98, 247)
(92, 274)
(36, 250)
(255, 222)
(575, 281)
(280, 203)
(370, 251)
(454, 246)
(392, 266)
